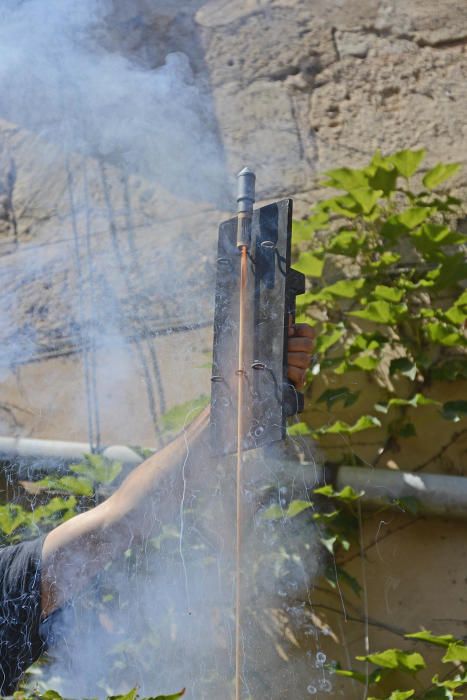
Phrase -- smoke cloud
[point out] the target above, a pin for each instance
(126, 165)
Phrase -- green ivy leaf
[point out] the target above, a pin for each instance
(391, 294)
(299, 429)
(454, 410)
(329, 542)
(381, 312)
(174, 419)
(347, 243)
(347, 494)
(366, 198)
(444, 334)
(12, 517)
(408, 504)
(439, 694)
(296, 507)
(67, 484)
(170, 697)
(407, 162)
(450, 271)
(415, 402)
(440, 173)
(128, 696)
(404, 366)
(443, 640)
(384, 179)
(401, 694)
(305, 230)
(340, 427)
(346, 179)
(309, 265)
(456, 652)
(330, 336)
(276, 512)
(413, 217)
(396, 659)
(451, 370)
(345, 288)
(355, 675)
(333, 396)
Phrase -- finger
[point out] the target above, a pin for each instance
(299, 359)
(297, 377)
(304, 330)
(301, 345)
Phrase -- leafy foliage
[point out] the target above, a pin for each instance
(386, 272)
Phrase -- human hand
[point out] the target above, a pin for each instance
(301, 346)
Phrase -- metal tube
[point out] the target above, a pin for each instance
(435, 494)
(27, 458)
(246, 180)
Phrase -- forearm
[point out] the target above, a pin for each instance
(77, 549)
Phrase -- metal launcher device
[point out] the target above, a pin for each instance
(251, 397)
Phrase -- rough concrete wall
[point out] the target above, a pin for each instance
(301, 86)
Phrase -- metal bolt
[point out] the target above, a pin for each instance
(258, 365)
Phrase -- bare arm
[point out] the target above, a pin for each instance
(77, 549)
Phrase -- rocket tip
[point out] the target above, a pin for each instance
(246, 171)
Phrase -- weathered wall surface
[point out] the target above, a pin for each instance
(297, 87)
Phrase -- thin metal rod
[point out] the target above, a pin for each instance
(239, 514)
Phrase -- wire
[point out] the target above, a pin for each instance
(239, 484)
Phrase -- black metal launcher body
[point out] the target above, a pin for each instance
(270, 292)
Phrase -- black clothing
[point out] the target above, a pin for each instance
(20, 609)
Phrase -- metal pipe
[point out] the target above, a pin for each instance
(432, 494)
(246, 180)
(28, 458)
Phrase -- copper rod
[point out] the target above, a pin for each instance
(239, 515)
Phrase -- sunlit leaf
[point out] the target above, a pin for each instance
(415, 401)
(366, 198)
(407, 162)
(388, 293)
(329, 338)
(396, 659)
(74, 485)
(276, 512)
(444, 334)
(299, 429)
(381, 312)
(443, 640)
(346, 179)
(440, 173)
(345, 288)
(310, 265)
(347, 494)
(455, 652)
(340, 427)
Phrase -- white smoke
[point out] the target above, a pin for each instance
(165, 619)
